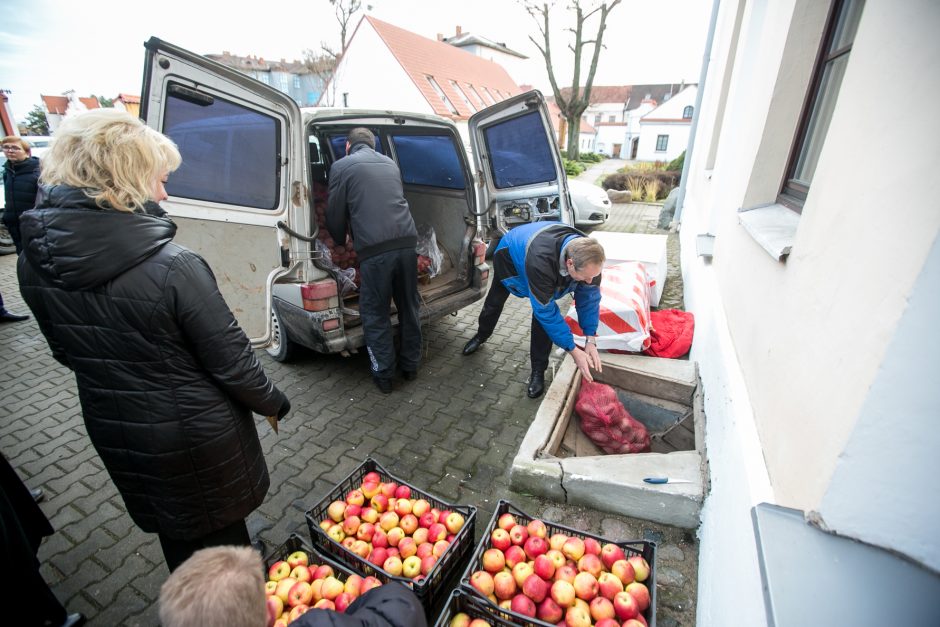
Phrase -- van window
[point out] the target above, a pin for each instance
(429, 160)
(338, 144)
(520, 153)
(230, 153)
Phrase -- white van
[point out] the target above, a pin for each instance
(254, 175)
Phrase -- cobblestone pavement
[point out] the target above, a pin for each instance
(453, 432)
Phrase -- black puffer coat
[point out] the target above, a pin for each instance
(20, 183)
(166, 377)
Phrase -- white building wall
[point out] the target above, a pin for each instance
(517, 67)
(610, 136)
(678, 139)
(817, 395)
(372, 78)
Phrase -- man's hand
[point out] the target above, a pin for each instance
(594, 358)
(584, 361)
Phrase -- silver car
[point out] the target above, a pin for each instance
(590, 203)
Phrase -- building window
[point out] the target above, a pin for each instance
(489, 96)
(296, 82)
(463, 96)
(440, 92)
(662, 142)
(264, 78)
(477, 95)
(284, 83)
(824, 91)
(597, 119)
(687, 113)
(612, 118)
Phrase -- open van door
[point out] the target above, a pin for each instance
(522, 178)
(243, 171)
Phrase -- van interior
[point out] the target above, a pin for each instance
(435, 177)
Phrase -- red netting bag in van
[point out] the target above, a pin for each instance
(607, 422)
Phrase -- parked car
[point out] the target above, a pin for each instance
(253, 184)
(590, 203)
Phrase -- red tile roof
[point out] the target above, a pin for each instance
(630, 95)
(60, 104)
(421, 57)
(128, 98)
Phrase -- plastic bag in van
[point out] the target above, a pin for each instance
(427, 247)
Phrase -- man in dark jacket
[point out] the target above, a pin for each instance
(366, 196)
(544, 261)
(20, 184)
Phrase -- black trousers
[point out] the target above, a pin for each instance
(387, 277)
(540, 344)
(175, 552)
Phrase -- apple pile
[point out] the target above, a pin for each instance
(560, 579)
(382, 524)
(295, 585)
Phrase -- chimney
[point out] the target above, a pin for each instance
(459, 31)
(440, 37)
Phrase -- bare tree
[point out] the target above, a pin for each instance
(344, 10)
(578, 100)
(322, 64)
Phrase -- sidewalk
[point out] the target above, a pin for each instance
(453, 432)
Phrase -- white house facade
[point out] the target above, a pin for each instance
(815, 299)
(664, 131)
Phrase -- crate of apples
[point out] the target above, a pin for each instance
(466, 610)
(299, 579)
(533, 572)
(380, 526)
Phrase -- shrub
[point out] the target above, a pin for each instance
(617, 180)
(636, 186)
(643, 183)
(651, 187)
(573, 168)
(676, 164)
(590, 157)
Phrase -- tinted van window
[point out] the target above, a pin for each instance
(520, 153)
(230, 153)
(429, 160)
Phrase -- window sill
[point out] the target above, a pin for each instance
(773, 227)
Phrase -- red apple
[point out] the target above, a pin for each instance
(348, 542)
(427, 563)
(323, 571)
(436, 532)
(372, 475)
(270, 587)
(420, 507)
(549, 611)
(493, 560)
(379, 503)
(609, 585)
(504, 585)
(607, 622)
(365, 532)
(640, 567)
(537, 528)
(625, 606)
(518, 535)
(499, 539)
(301, 573)
(325, 604)
(454, 522)
(379, 538)
(585, 586)
(351, 525)
(624, 571)
(403, 507)
(440, 547)
(336, 511)
(543, 566)
(411, 566)
(557, 557)
(407, 547)
(535, 588)
(521, 604)
(557, 540)
(521, 572)
(355, 497)
(393, 566)
(426, 519)
(297, 558)
(395, 535)
(283, 588)
(573, 548)
(408, 523)
(279, 570)
(577, 616)
(361, 548)
(296, 612)
(388, 489)
(369, 489)
(425, 549)
(535, 546)
(592, 546)
(639, 621)
(591, 563)
(566, 572)
(275, 608)
(403, 492)
(420, 535)
(562, 593)
(601, 608)
(483, 582)
(514, 555)
(639, 592)
(610, 553)
(506, 521)
(299, 594)
(378, 556)
(342, 601)
(368, 583)
(352, 585)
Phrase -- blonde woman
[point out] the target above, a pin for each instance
(166, 377)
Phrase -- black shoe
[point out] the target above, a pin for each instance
(536, 384)
(37, 494)
(384, 385)
(74, 620)
(471, 347)
(6, 316)
(410, 375)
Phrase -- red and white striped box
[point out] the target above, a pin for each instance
(625, 309)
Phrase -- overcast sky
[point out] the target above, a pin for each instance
(96, 46)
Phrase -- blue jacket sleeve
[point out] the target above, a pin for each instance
(587, 300)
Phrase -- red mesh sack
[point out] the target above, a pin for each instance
(607, 422)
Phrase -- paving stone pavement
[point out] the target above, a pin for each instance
(452, 432)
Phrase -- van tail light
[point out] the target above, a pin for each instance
(479, 252)
(320, 295)
(330, 324)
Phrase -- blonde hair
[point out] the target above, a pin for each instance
(14, 139)
(222, 586)
(113, 156)
(584, 251)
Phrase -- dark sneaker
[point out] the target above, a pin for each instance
(384, 385)
(410, 375)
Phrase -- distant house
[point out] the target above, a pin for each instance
(664, 131)
(615, 111)
(387, 67)
(6, 115)
(293, 78)
(490, 50)
(58, 106)
(129, 103)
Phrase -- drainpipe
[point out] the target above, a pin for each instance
(683, 181)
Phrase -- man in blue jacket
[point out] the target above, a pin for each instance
(544, 261)
(366, 197)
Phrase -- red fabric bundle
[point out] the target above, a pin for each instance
(671, 335)
(607, 422)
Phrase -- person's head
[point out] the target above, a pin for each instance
(117, 159)
(360, 135)
(221, 586)
(584, 258)
(16, 148)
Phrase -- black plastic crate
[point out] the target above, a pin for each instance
(433, 590)
(633, 547)
(297, 543)
(461, 601)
